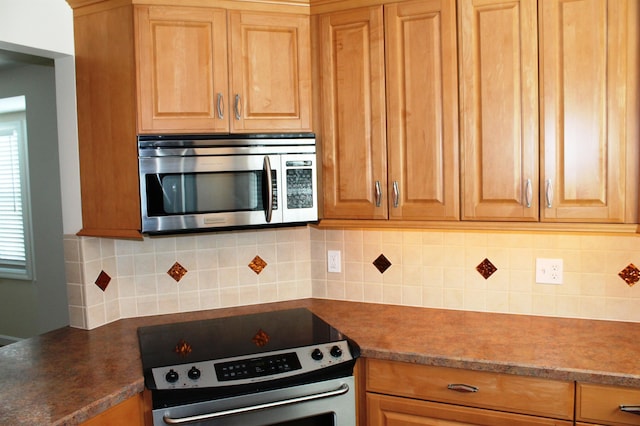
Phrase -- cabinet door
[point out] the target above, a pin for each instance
(499, 118)
(383, 410)
(422, 110)
(270, 72)
(182, 69)
(583, 91)
(353, 114)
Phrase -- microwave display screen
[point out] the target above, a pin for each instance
(299, 188)
(218, 192)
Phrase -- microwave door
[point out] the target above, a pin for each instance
(208, 192)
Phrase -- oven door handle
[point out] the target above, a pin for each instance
(268, 189)
(344, 388)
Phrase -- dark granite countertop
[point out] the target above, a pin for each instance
(69, 375)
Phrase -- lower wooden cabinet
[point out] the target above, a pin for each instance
(129, 412)
(602, 405)
(395, 411)
(399, 393)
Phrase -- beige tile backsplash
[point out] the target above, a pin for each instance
(429, 268)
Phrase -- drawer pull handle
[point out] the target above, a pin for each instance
(459, 387)
(633, 409)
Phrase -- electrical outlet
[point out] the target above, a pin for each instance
(333, 261)
(548, 271)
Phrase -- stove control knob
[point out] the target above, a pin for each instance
(172, 376)
(317, 354)
(335, 351)
(194, 373)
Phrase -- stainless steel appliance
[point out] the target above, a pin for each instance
(285, 367)
(197, 182)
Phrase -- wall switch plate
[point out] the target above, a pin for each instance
(333, 261)
(548, 271)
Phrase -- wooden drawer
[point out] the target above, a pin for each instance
(601, 404)
(393, 411)
(504, 392)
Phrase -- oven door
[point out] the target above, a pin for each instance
(181, 193)
(326, 403)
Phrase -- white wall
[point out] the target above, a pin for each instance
(45, 28)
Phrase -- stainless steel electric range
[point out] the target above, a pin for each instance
(284, 367)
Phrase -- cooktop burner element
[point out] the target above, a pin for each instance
(247, 351)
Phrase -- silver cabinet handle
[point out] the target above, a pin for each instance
(396, 194)
(236, 106)
(460, 387)
(549, 193)
(202, 417)
(220, 106)
(268, 185)
(528, 193)
(378, 194)
(633, 409)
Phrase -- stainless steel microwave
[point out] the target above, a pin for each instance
(199, 183)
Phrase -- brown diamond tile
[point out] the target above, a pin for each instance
(486, 268)
(103, 280)
(257, 264)
(382, 263)
(630, 274)
(177, 271)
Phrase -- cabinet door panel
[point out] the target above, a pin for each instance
(422, 132)
(182, 69)
(499, 119)
(583, 99)
(383, 410)
(270, 71)
(353, 116)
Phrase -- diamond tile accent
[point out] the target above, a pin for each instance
(177, 271)
(382, 263)
(486, 268)
(257, 264)
(630, 274)
(103, 280)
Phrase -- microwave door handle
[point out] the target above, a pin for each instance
(268, 189)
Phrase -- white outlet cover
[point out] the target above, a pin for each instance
(334, 263)
(549, 271)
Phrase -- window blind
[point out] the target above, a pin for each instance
(14, 247)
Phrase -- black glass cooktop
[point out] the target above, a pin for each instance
(220, 338)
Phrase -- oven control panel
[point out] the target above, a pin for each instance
(252, 368)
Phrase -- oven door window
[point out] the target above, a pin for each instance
(217, 192)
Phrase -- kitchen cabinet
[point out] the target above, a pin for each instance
(601, 404)
(194, 76)
(389, 126)
(409, 394)
(160, 69)
(499, 118)
(182, 69)
(587, 157)
(586, 151)
(130, 412)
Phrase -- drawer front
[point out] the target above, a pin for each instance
(601, 404)
(393, 411)
(504, 392)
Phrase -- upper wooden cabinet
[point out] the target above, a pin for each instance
(182, 69)
(422, 110)
(163, 69)
(402, 162)
(353, 114)
(586, 152)
(586, 95)
(499, 109)
(195, 74)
